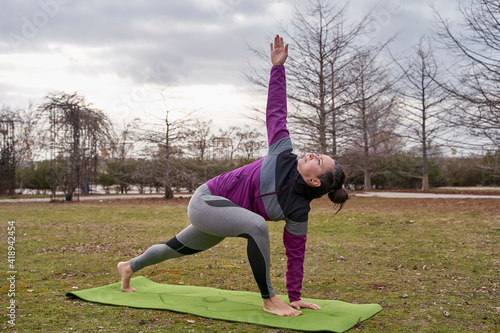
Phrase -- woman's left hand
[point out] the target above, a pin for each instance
(279, 51)
(301, 304)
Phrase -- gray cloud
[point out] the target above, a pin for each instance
(161, 42)
(130, 37)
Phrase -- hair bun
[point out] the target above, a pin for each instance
(338, 195)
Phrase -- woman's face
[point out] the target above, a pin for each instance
(312, 166)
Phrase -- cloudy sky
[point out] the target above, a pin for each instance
(119, 54)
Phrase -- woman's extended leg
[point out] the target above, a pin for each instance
(213, 218)
(188, 241)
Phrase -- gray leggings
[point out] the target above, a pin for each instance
(212, 219)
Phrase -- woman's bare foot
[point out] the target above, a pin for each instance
(125, 273)
(276, 306)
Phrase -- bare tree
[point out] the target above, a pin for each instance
(28, 150)
(198, 138)
(224, 144)
(25, 136)
(372, 114)
(476, 48)
(120, 169)
(167, 139)
(7, 153)
(324, 44)
(423, 100)
(250, 142)
(124, 141)
(235, 141)
(75, 132)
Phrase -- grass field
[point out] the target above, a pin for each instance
(433, 264)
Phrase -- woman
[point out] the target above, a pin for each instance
(238, 203)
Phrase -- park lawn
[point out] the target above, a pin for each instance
(432, 264)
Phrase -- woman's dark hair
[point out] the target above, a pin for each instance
(332, 182)
(339, 195)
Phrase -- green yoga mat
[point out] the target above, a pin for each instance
(239, 306)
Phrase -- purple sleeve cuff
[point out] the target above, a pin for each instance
(295, 251)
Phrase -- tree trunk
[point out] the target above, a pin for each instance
(425, 169)
(368, 180)
(425, 162)
(366, 143)
(169, 194)
(425, 183)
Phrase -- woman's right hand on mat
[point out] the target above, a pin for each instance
(301, 304)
